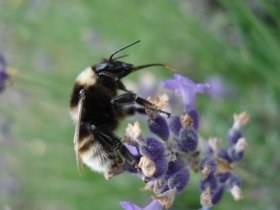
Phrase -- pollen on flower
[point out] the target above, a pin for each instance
(159, 185)
(147, 166)
(236, 192)
(149, 186)
(186, 120)
(240, 119)
(206, 171)
(133, 133)
(223, 165)
(167, 198)
(205, 198)
(161, 102)
(214, 144)
(240, 145)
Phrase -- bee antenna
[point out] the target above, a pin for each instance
(121, 56)
(123, 48)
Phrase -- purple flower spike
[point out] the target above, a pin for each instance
(161, 168)
(159, 127)
(174, 166)
(179, 180)
(175, 124)
(188, 139)
(210, 181)
(235, 156)
(208, 166)
(185, 88)
(234, 180)
(222, 177)
(4, 76)
(217, 195)
(233, 136)
(195, 117)
(154, 205)
(153, 149)
(233, 185)
(224, 155)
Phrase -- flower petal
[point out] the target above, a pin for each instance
(185, 88)
(154, 205)
(126, 205)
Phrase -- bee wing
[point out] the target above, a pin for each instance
(77, 130)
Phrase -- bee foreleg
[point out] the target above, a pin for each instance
(130, 98)
(121, 86)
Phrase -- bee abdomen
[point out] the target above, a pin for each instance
(93, 154)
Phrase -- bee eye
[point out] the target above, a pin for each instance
(101, 66)
(126, 66)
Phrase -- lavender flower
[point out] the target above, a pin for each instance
(175, 125)
(185, 88)
(188, 139)
(222, 176)
(154, 149)
(159, 127)
(154, 205)
(166, 158)
(4, 76)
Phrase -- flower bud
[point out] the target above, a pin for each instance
(188, 139)
(179, 180)
(154, 149)
(159, 127)
(175, 125)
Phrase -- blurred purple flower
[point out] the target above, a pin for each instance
(154, 205)
(185, 88)
(4, 76)
(205, 208)
(219, 90)
(220, 176)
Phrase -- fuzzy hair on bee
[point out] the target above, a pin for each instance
(97, 109)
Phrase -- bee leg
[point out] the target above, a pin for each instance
(112, 143)
(130, 98)
(106, 137)
(133, 110)
(121, 86)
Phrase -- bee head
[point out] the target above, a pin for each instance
(116, 69)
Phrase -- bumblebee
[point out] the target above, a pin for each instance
(96, 109)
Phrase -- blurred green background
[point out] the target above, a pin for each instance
(48, 42)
